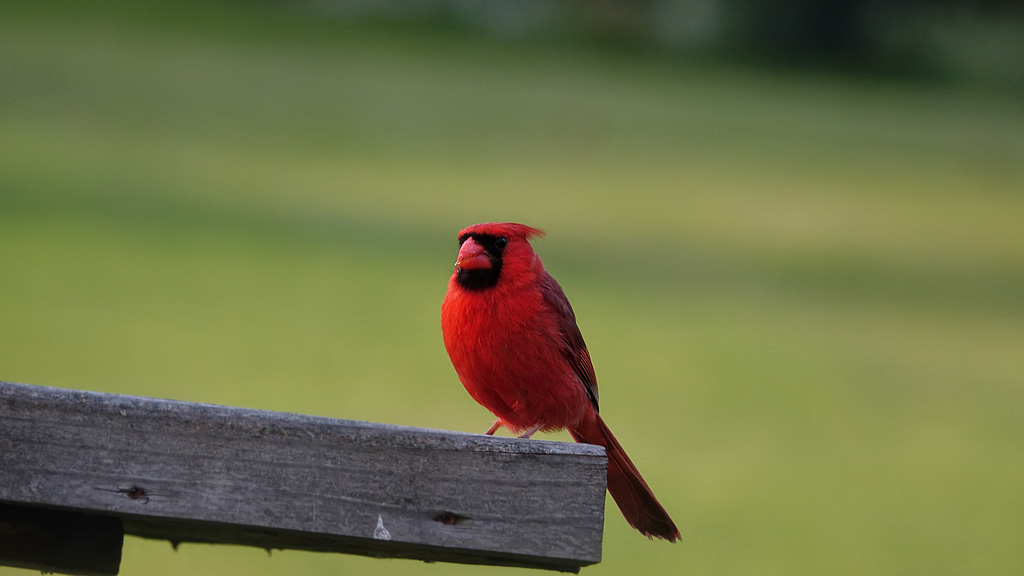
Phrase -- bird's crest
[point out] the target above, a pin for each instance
(501, 229)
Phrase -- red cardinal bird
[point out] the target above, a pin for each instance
(513, 339)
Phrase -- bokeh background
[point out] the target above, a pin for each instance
(793, 236)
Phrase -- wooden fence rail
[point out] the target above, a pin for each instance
(79, 469)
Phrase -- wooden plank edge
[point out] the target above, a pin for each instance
(191, 532)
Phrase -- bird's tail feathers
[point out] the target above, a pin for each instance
(627, 487)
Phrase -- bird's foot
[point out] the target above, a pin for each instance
(533, 430)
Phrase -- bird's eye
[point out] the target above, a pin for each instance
(500, 242)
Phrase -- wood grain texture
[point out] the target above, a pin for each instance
(190, 472)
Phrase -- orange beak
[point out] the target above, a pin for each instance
(472, 256)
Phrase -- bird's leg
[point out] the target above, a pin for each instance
(494, 428)
(533, 429)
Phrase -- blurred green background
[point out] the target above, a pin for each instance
(801, 287)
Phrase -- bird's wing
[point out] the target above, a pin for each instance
(574, 349)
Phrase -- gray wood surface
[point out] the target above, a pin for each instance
(190, 472)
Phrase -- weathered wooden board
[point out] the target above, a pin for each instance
(190, 472)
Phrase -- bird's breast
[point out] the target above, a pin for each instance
(507, 355)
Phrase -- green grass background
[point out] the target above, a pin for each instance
(803, 292)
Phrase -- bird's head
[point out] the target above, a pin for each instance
(488, 250)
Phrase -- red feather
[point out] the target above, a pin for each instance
(512, 337)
